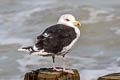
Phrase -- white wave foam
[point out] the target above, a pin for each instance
(110, 17)
(116, 30)
(95, 74)
(29, 60)
(94, 16)
(12, 78)
(27, 14)
(22, 16)
(15, 41)
(113, 68)
(99, 54)
(92, 74)
(3, 57)
(118, 59)
(18, 18)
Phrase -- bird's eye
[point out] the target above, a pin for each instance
(67, 19)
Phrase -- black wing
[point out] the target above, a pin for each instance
(54, 38)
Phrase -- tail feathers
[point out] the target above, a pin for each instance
(28, 49)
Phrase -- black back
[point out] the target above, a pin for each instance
(59, 36)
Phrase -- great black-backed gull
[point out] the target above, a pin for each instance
(57, 40)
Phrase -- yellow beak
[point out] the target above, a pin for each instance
(77, 23)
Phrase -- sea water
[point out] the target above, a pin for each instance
(96, 53)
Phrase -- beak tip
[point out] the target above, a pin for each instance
(77, 23)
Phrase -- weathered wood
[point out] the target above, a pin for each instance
(113, 76)
(49, 74)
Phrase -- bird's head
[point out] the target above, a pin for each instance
(68, 19)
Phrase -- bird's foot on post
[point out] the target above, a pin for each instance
(57, 69)
(68, 71)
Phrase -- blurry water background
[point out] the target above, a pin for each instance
(96, 53)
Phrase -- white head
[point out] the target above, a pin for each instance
(69, 20)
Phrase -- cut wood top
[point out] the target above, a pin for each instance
(113, 76)
(50, 74)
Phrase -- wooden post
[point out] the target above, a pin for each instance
(113, 76)
(49, 74)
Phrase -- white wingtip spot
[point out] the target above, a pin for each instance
(46, 35)
(22, 50)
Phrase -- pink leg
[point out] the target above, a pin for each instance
(64, 70)
(54, 66)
